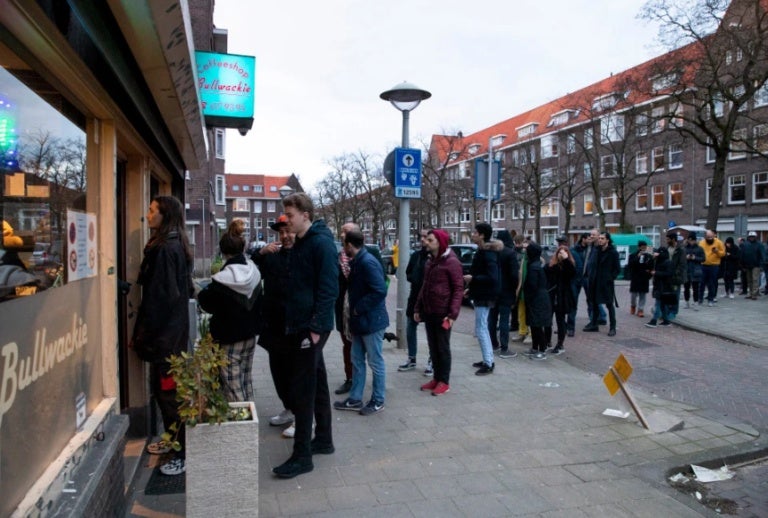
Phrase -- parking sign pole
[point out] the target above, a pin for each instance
(403, 236)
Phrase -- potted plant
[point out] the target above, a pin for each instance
(222, 439)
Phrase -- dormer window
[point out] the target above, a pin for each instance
(273, 188)
(664, 82)
(235, 187)
(527, 130)
(453, 156)
(561, 117)
(258, 188)
(498, 140)
(473, 148)
(605, 102)
(246, 187)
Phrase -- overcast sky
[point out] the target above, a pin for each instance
(320, 67)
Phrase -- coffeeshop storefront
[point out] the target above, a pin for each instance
(99, 111)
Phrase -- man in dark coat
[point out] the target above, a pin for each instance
(694, 256)
(499, 315)
(483, 285)
(312, 290)
(414, 273)
(752, 258)
(601, 278)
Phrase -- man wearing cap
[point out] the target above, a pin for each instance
(694, 256)
(273, 262)
(714, 251)
(752, 258)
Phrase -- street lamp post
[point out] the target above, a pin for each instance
(405, 97)
(202, 226)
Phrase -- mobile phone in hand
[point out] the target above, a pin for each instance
(446, 324)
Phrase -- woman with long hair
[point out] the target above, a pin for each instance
(560, 272)
(232, 300)
(162, 323)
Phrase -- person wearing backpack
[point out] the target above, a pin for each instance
(232, 300)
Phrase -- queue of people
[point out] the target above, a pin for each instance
(287, 294)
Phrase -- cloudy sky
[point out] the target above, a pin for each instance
(320, 67)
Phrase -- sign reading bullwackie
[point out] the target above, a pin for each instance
(226, 84)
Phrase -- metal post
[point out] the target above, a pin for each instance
(202, 200)
(490, 179)
(403, 233)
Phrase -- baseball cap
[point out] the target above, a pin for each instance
(752, 234)
(282, 220)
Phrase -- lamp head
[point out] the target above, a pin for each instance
(405, 96)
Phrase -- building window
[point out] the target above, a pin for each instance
(761, 96)
(465, 215)
(608, 166)
(550, 208)
(221, 188)
(659, 119)
(588, 138)
(270, 222)
(258, 188)
(760, 187)
(675, 196)
(240, 205)
(546, 178)
(570, 144)
(498, 212)
(609, 201)
(707, 190)
(258, 223)
(589, 203)
(587, 172)
(657, 197)
(220, 140)
(738, 144)
(761, 138)
(675, 156)
(257, 207)
(273, 188)
(235, 188)
(737, 189)
(612, 128)
(710, 152)
(657, 158)
(271, 206)
(549, 146)
(641, 124)
(641, 199)
(246, 188)
(641, 162)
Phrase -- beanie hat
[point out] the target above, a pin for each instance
(692, 235)
(442, 240)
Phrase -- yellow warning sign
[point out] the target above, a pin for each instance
(622, 367)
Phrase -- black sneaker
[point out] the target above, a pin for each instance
(530, 352)
(372, 407)
(571, 332)
(293, 466)
(321, 449)
(506, 353)
(602, 322)
(478, 364)
(651, 323)
(344, 388)
(408, 365)
(485, 369)
(590, 329)
(665, 323)
(348, 404)
(557, 350)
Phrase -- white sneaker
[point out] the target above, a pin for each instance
(730, 296)
(289, 432)
(284, 417)
(174, 467)
(528, 339)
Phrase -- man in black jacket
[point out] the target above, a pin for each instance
(312, 288)
(499, 315)
(601, 283)
(414, 272)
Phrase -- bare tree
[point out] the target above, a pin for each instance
(713, 80)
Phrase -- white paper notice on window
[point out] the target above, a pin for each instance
(82, 245)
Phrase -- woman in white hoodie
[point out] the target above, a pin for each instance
(232, 299)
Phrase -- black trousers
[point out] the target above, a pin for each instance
(439, 342)
(166, 401)
(309, 393)
(280, 361)
(539, 337)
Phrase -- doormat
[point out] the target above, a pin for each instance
(160, 484)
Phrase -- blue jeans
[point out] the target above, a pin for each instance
(410, 336)
(370, 346)
(483, 336)
(661, 311)
(709, 281)
(498, 319)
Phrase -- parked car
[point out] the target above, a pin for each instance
(386, 260)
(465, 252)
(41, 254)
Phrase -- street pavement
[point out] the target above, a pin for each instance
(531, 439)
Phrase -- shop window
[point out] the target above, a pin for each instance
(48, 237)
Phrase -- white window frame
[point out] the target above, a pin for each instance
(550, 208)
(220, 190)
(608, 166)
(570, 144)
(258, 188)
(271, 206)
(258, 206)
(589, 203)
(759, 182)
(609, 201)
(760, 138)
(549, 146)
(498, 213)
(641, 124)
(761, 96)
(612, 128)
(641, 162)
(709, 152)
(589, 138)
(738, 145)
(675, 156)
(734, 182)
(220, 140)
(657, 194)
(587, 172)
(641, 199)
(657, 155)
(673, 189)
(240, 205)
(659, 121)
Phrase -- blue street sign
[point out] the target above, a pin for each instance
(407, 173)
(481, 179)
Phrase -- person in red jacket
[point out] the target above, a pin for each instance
(438, 306)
